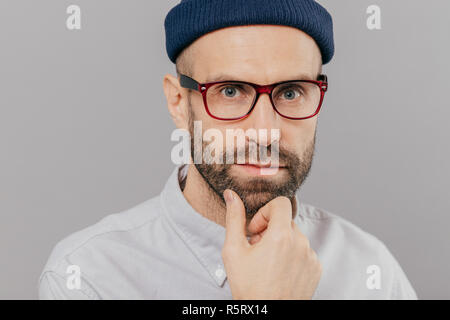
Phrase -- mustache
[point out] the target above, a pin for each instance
(284, 157)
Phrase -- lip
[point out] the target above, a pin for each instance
(259, 169)
(259, 165)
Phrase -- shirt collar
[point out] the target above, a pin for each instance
(204, 237)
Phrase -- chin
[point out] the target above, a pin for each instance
(253, 201)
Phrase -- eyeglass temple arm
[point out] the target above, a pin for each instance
(323, 78)
(188, 83)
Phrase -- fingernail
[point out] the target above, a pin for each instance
(228, 195)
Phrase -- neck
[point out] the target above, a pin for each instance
(202, 199)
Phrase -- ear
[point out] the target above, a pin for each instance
(177, 101)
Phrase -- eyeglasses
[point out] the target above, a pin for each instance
(235, 100)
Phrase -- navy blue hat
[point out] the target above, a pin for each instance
(191, 19)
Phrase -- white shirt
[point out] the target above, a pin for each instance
(163, 249)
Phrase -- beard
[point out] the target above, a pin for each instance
(255, 192)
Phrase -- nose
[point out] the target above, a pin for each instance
(263, 116)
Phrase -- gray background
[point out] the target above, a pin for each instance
(84, 130)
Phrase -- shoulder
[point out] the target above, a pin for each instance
(95, 244)
(345, 247)
(327, 225)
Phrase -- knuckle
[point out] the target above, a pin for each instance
(283, 200)
(228, 251)
(303, 241)
(281, 238)
(278, 201)
(315, 261)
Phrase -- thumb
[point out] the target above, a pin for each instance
(235, 219)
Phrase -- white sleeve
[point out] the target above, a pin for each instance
(52, 286)
(401, 287)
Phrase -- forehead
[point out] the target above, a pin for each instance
(258, 53)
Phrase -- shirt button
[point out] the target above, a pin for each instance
(219, 273)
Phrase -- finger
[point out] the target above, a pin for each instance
(297, 230)
(235, 219)
(259, 222)
(276, 214)
(256, 237)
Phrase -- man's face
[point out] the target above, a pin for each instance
(263, 55)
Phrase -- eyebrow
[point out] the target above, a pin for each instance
(227, 77)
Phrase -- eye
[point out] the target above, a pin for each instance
(230, 91)
(291, 92)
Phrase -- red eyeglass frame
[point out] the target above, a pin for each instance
(189, 83)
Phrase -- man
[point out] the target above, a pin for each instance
(223, 230)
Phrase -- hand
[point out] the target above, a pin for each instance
(278, 263)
